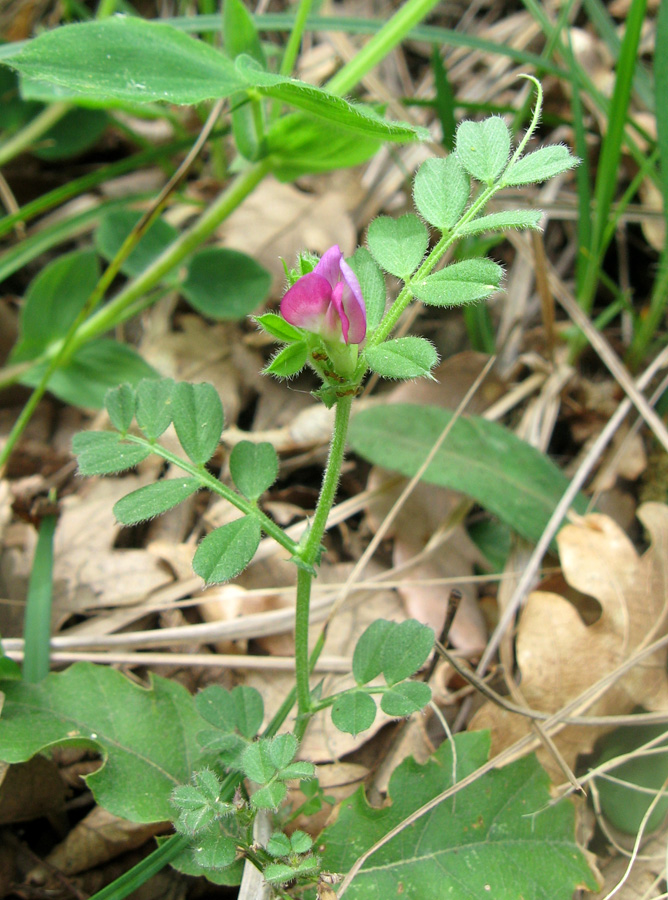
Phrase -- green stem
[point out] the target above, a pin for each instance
(25, 138)
(37, 625)
(213, 484)
(391, 34)
(295, 39)
(309, 556)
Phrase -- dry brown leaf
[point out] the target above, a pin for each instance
(30, 790)
(559, 656)
(99, 837)
(643, 875)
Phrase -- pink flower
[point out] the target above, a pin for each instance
(328, 301)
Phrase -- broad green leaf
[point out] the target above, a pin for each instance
(121, 402)
(94, 368)
(504, 474)
(405, 698)
(53, 300)
(625, 805)
(282, 749)
(225, 284)
(154, 499)
(405, 648)
(279, 844)
(503, 221)
(213, 850)
(77, 131)
(301, 145)
(254, 467)
(289, 361)
(277, 327)
(198, 419)
(367, 656)
(540, 165)
(398, 245)
(501, 837)
(372, 284)
(319, 102)
(257, 762)
(117, 225)
(227, 551)
(407, 357)
(98, 707)
(129, 59)
(354, 712)
(154, 406)
(105, 453)
(441, 191)
(460, 283)
(483, 148)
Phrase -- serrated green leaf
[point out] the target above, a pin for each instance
(483, 148)
(104, 453)
(257, 763)
(309, 866)
(540, 165)
(502, 836)
(154, 499)
(198, 419)
(279, 844)
(405, 698)
(482, 459)
(120, 403)
(270, 796)
(441, 191)
(154, 406)
(372, 285)
(407, 357)
(254, 467)
(190, 821)
(209, 784)
(186, 863)
(406, 647)
(227, 551)
(278, 873)
(224, 284)
(53, 300)
(460, 283)
(115, 227)
(186, 796)
(297, 770)
(289, 361)
(503, 221)
(277, 327)
(282, 749)
(97, 706)
(248, 710)
(301, 842)
(398, 245)
(367, 656)
(354, 712)
(93, 369)
(214, 850)
(126, 58)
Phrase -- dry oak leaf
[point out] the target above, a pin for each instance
(559, 656)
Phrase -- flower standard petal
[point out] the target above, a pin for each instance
(307, 302)
(353, 306)
(330, 265)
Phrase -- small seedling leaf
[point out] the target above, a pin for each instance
(540, 165)
(398, 245)
(503, 221)
(405, 698)
(154, 499)
(105, 453)
(460, 283)
(483, 148)
(354, 712)
(120, 403)
(270, 796)
(441, 191)
(367, 657)
(248, 710)
(198, 419)
(277, 327)
(278, 873)
(227, 551)
(279, 844)
(406, 647)
(372, 285)
(257, 763)
(254, 467)
(289, 361)
(154, 406)
(407, 357)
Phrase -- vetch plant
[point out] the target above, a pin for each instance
(333, 319)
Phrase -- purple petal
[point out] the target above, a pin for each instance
(330, 265)
(353, 306)
(307, 302)
(337, 320)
